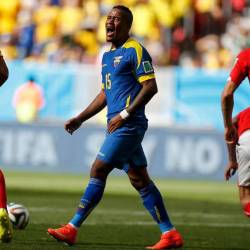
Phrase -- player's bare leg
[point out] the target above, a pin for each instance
(152, 200)
(244, 193)
(88, 202)
(5, 224)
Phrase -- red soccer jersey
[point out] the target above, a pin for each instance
(241, 68)
(243, 119)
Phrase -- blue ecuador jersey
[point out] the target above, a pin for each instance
(123, 71)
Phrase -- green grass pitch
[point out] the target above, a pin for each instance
(207, 214)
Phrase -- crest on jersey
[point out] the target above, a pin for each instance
(147, 67)
(117, 60)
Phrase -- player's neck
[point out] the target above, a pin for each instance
(119, 43)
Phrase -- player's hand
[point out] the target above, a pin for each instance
(115, 123)
(231, 135)
(230, 170)
(72, 125)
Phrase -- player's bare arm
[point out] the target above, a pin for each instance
(94, 107)
(4, 72)
(227, 103)
(232, 165)
(149, 89)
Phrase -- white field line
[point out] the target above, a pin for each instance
(151, 223)
(134, 213)
(193, 224)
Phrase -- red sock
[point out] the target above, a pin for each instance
(3, 196)
(247, 209)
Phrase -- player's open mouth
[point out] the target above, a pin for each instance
(110, 31)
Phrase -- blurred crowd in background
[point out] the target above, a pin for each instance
(193, 33)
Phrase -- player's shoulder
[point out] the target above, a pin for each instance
(242, 114)
(132, 45)
(106, 53)
(107, 56)
(244, 54)
(136, 50)
(245, 111)
(106, 50)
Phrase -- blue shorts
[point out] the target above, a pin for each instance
(123, 150)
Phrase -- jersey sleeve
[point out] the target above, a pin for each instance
(240, 69)
(238, 116)
(142, 63)
(243, 112)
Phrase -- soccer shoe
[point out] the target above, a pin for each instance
(6, 231)
(171, 239)
(247, 209)
(66, 234)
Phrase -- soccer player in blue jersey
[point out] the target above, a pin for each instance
(128, 84)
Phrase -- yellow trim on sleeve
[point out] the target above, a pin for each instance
(103, 86)
(146, 77)
(131, 43)
(128, 101)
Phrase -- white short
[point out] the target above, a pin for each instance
(243, 159)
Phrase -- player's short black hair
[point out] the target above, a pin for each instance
(127, 11)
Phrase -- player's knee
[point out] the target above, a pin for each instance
(135, 182)
(138, 178)
(138, 183)
(100, 170)
(99, 173)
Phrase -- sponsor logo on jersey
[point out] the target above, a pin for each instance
(147, 67)
(117, 60)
